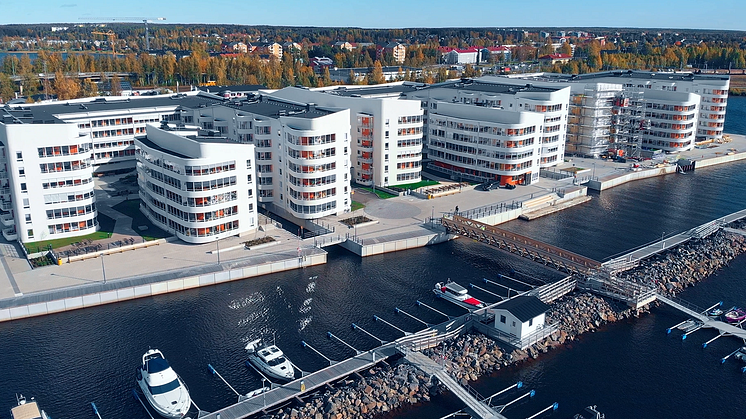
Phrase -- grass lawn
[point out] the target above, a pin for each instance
(381, 194)
(356, 206)
(131, 208)
(106, 227)
(417, 185)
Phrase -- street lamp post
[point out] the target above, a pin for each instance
(594, 171)
(663, 243)
(103, 268)
(264, 392)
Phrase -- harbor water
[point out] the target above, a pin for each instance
(629, 369)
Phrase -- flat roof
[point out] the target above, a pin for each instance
(213, 140)
(49, 111)
(273, 107)
(374, 90)
(481, 86)
(650, 75)
(235, 88)
(10, 115)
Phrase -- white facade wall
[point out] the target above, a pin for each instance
(48, 174)
(672, 120)
(456, 57)
(200, 190)
(386, 135)
(515, 326)
(486, 143)
(319, 154)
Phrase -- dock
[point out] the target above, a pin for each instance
(724, 328)
(308, 383)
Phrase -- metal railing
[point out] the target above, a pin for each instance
(487, 210)
(552, 291)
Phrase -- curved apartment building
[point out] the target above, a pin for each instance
(199, 188)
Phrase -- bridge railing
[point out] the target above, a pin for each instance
(693, 307)
(552, 291)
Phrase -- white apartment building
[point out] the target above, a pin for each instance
(507, 95)
(302, 151)
(485, 143)
(113, 122)
(200, 188)
(668, 111)
(386, 132)
(46, 177)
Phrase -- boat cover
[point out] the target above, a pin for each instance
(156, 365)
(473, 301)
(30, 410)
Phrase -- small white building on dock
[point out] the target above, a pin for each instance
(520, 316)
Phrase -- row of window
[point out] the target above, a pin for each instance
(112, 133)
(211, 184)
(675, 108)
(66, 182)
(65, 150)
(677, 117)
(202, 217)
(312, 196)
(410, 131)
(412, 142)
(70, 227)
(191, 231)
(70, 212)
(66, 166)
(410, 119)
(210, 169)
(57, 198)
(113, 121)
(313, 140)
(169, 180)
(313, 209)
(408, 165)
(121, 143)
(408, 176)
(312, 155)
(674, 135)
(298, 168)
(325, 180)
(115, 153)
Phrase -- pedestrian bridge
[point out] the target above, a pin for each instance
(553, 256)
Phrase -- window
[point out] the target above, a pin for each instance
(385, 169)
(30, 233)
(21, 171)
(386, 146)
(23, 187)
(387, 134)
(28, 218)
(502, 319)
(25, 203)
(531, 322)
(513, 324)
(386, 157)
(19, 155)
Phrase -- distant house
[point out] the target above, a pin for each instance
(551, 59)
(268, 48)
(520, 316)
(460, 56)
(495, 53)
(343, 45)
(396, 49)
(320, 63)
(125, 87)
(235, 91)
(289, 46)
(390, 73)
(238, 47)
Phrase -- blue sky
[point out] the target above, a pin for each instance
(683, 14)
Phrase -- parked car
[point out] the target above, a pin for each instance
(494, 185)
(509, 186)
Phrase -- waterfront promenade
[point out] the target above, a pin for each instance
(402, 218)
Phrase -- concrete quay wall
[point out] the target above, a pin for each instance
(380, 247)
(56, 301)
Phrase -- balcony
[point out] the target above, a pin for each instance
(7, 219)
(10, 234)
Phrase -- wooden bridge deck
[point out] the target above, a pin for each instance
(536, 250)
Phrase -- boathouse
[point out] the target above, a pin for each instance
(520, 316)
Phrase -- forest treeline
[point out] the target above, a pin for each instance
(205, 64)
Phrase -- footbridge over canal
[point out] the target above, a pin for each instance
(560, 259)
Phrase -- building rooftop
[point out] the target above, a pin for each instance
(375, 90)
(524, 307)
(481, 86)
(272, 107)
(238, 88)
(649, 75)
(10, 115)
(49, 111)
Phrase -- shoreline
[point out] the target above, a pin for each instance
(472, 356)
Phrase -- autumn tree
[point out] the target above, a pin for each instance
(65, 87)
(376, 75)
(116, 86)
(7, 88)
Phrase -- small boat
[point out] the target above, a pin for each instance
(741, 354)
(257, 392)
(715, 312)
(270, 360)
(162, 387)
(27, 409)
(735, 315)
(457, 294)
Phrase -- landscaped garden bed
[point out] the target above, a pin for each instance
(360, 219)
(257, 242)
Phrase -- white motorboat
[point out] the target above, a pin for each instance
(457, 294)
(270, 360)
(162, 387)
(27, 409)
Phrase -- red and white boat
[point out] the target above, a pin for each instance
(735, 315)
(457, 294)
